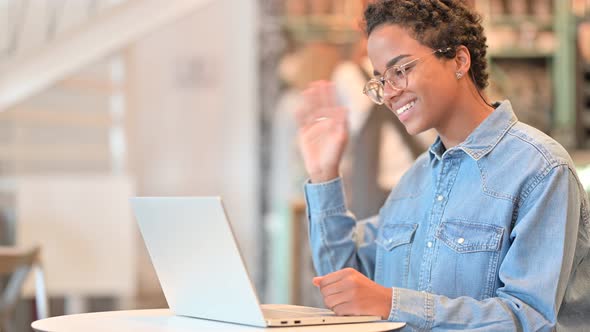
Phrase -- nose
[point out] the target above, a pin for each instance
(390, 93)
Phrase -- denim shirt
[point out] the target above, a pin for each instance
(490, 235)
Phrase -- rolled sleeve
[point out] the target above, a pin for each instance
(413, 307)
(333, 231)
(324, 198)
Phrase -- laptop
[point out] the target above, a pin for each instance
(201, 271)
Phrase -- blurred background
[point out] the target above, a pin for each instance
(101, 100)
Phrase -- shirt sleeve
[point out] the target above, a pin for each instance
(533, 275)
(337, 239)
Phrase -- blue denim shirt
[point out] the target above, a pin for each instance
(490, 235)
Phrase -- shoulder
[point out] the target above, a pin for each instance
(537, 146)
(531, 156)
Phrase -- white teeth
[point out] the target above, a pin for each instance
(405, 107)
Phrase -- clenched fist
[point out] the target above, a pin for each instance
(349, 293)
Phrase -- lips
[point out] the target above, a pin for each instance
(405, 107)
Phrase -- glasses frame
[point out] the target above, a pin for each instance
(381, 80)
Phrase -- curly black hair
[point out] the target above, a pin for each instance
(437, 24)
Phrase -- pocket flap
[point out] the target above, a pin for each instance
(466, 237)
(393, 235)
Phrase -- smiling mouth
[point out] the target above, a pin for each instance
(405, 108)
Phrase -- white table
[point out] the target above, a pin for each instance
(163, 320)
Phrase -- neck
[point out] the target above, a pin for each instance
(469, 111)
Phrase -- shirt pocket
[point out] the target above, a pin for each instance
(394, 244)
(464, 237)
(467, 258)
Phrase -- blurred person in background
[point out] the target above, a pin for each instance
(488, 230)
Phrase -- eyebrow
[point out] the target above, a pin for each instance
(392, 62)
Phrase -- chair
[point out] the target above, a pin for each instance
(17, 263)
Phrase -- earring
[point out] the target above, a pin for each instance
(459, 75)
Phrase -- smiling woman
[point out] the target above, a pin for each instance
(489, 230)
(434, 84)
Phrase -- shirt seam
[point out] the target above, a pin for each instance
(531, 187)
(329, 212)
(538, 180)
(490, 192)
(477, 154)
(394, 304)
(547, 156)
(325, 243)
(428, 311)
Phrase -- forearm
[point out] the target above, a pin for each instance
(427, 311)
(332, 231)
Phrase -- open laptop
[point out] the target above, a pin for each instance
(201, 271)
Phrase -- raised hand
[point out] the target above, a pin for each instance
(323, 131)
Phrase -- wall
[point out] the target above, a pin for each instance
(193, 119)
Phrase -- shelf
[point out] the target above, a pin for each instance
(518, 21)
(338, 22)
(333, 28)
(520, 54)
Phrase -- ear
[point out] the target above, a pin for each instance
(462, 60)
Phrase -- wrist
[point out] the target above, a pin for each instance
(387, 303)
(320, 177)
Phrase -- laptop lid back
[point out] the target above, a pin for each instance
(196, 258)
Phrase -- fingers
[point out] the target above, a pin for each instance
(348, 283)
(326, 93)
(316, 281)
(348, 292)
(313, 116)
(346, 309)
(319, 102)
(333, 301)
(343, 304)
(338, 288)
(315, 132)
(333, 277)
(332, 289)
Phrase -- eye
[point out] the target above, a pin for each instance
(399, 72)
(393, 73)
(408, 68)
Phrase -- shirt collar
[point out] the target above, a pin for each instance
(485, 137)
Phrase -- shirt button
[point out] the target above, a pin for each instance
(429, 244)
(460, 240)
(440, 198)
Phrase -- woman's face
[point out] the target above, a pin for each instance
(432, 85)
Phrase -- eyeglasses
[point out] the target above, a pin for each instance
(395, 76)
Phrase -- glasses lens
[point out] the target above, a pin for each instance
(396, 78)
(374, 90)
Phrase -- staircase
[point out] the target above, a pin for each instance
(63, 88)
(45, 41)
(62, 81)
